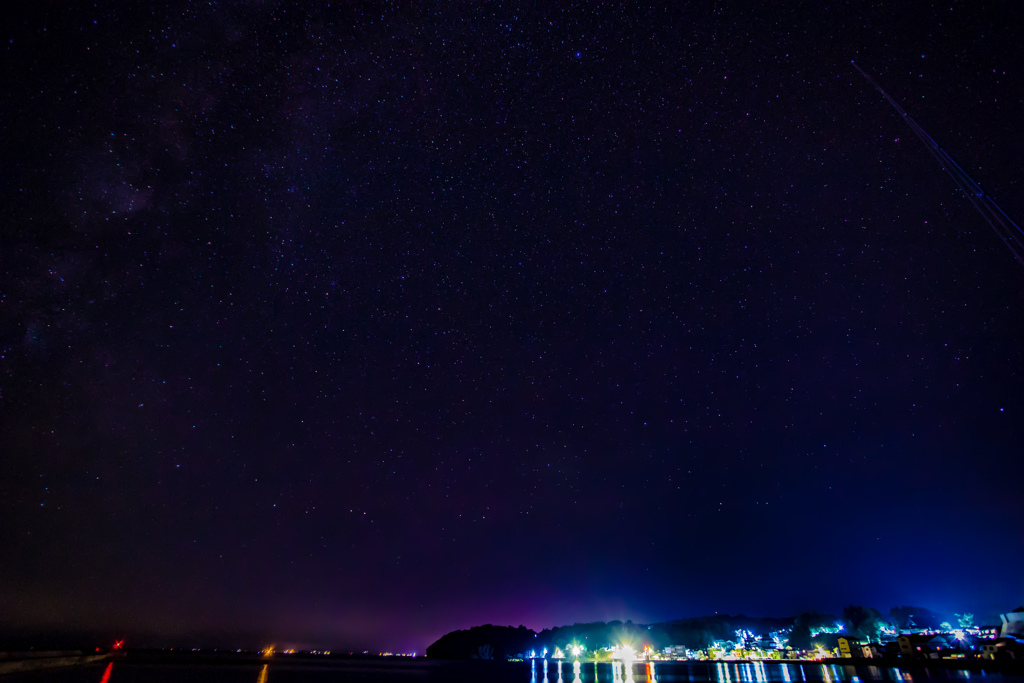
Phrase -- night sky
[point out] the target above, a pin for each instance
(348, 327)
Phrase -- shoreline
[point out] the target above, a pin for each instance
(19, 662)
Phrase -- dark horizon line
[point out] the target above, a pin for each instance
(103, 638)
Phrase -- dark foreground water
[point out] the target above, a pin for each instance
(428, 671)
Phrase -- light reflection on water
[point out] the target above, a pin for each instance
(426, 671)
(752, 672)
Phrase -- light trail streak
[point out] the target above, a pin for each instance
(1008, 231)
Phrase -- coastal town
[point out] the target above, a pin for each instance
(861, 633)
(962, 641)
(965, 640)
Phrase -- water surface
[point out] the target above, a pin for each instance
(421, 670)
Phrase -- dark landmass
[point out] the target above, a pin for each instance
(695, 633)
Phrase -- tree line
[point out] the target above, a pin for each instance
(696, 633)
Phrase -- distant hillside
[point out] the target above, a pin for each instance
(695, 633)
(500, 642)
(484, 642)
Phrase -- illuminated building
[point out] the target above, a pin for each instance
(923, 646)
(850, 647)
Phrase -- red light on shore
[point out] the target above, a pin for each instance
(118, 644)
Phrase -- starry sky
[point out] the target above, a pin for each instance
(348, 326)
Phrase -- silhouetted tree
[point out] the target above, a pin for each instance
(907, 616)
(800, 636)
(864, 622)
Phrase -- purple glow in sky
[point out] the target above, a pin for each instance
(350, 326)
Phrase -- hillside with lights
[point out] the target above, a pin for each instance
(908, 633)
